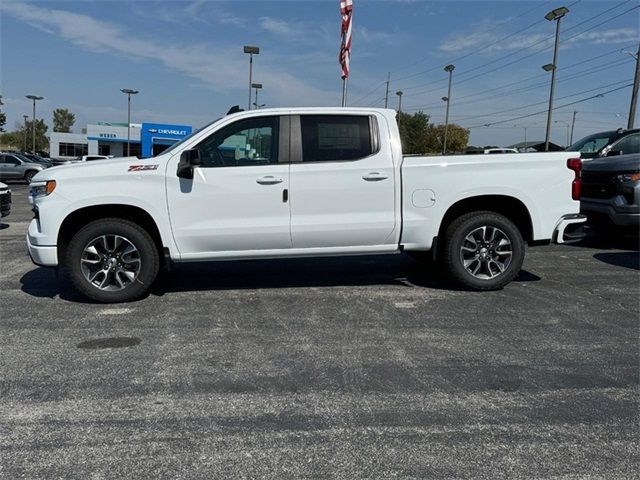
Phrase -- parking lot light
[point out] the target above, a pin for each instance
(554, 15)
(251, 50)
(34, 98)
(128, 92)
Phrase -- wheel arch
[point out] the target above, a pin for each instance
(83, 216)
(511, 207)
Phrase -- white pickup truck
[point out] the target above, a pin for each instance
(296, 183)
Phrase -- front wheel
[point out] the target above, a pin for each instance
(112, 260)
(483, 250)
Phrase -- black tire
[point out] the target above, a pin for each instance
(29, 175)
(456, 246)
(147, 252)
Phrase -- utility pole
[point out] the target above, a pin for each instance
(634, 93)
(386, 94)
(573, 124)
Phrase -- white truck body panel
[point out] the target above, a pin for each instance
(534, 179)
(332, 209)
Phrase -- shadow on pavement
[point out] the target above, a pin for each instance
(4, 225)
(615, 239)
(44, 283)
(620, 259)
(397, 270)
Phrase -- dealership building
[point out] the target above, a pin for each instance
(146, 140)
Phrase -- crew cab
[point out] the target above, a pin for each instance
(299, 182)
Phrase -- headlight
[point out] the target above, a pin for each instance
(42, 189)
(628, 177)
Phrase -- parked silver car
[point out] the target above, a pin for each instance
(14, 166)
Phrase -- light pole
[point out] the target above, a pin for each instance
(251, 51)
(399, 93)
(128, 92)
(556, 15)
(26, 134)
(33, 122)
(449, 68)
(256, 86)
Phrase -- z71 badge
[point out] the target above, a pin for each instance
(140, 168)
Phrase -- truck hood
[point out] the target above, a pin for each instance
(622, 163)
(97, 168)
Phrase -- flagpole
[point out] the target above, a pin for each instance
(344, 91)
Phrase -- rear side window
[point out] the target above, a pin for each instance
(327, 138)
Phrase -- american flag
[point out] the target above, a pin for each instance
(346, 10)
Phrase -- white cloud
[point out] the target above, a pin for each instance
(538, 41)
(278, 27)
(217, 67)
(612, 36)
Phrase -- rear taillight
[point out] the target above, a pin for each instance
(575, 164)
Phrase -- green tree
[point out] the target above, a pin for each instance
(26, 132)
(63, 120)
(457, 138)
(3, 117)
(413, 132)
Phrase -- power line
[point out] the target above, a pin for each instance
(463, 74)
(526, 87)
(519, 107)
(601, 94)
(486, 46)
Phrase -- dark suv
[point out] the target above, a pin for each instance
(611, 191)
(608, 144)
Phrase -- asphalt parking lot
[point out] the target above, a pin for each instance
(343, 368)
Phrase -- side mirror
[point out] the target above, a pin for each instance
(188, 160)
(614, 153)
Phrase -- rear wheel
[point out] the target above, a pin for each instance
(112, 260)
(483, 250)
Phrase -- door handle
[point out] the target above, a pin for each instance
(269, 180)
(374, 177)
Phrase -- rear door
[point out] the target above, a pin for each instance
(342, 183)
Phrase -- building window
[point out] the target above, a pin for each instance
(104, 149)
(73, 149)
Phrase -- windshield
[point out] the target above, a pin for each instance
(591, 145)
(177, 144)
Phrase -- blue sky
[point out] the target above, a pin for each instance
(186, 59)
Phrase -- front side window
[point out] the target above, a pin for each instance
(249, 142)
(328, 138)
(629, 144)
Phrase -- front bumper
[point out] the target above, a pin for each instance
(5, 203)
(43, 255)
(621, 215)
(570, 229)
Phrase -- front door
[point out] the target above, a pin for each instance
(237, 200)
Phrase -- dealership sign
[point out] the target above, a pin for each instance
(158, 133)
